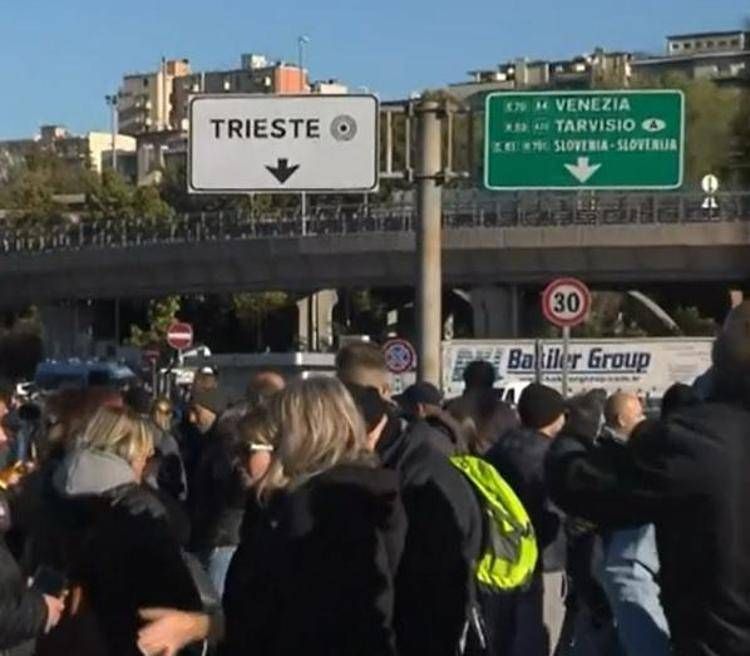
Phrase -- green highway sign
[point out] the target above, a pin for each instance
(584, 140)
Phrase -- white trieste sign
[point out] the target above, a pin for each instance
(243, 143)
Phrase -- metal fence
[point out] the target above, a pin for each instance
(460, 212)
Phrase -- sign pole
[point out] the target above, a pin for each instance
(565, 303)
(566, 363)
(154, 379)
(429, 255)
(538, 355)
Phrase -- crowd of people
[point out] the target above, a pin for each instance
(326, 516)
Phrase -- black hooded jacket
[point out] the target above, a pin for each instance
(442, 543)
(217, 492)
(23, 613)
(118, 549)
(519, 458)
(690, 476)
(314, 571)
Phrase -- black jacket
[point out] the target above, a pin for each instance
(314, 572)
(442, 431)
(519, 458)
(442, 543)
(491, 416)
(690, 476)
(217, 493)
(118, 548)
(23, 613)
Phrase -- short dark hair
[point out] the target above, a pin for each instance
(360, 355)
(263, 385)
(678, 397)
(480, 374)
(539, 406)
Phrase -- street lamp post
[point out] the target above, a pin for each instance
(302, 41)
(111, 100)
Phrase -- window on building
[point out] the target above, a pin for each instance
(145, 81)
(722, 43)
(734, 42)
(709, 44)
(687, 46)
(698, 44)
(675, 46)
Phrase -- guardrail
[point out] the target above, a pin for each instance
(471, 212)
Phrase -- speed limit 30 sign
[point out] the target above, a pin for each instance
(566, 302)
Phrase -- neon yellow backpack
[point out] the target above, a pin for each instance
(509, 550)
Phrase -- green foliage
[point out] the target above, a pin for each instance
(741, 145)
(31, 186)
(161, 315)
(253, 308)
(692, 324)
(363, 301)
(112, 196)
(711, 114)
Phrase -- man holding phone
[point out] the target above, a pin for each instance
(25, 612)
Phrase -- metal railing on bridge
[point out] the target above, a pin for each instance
(461, 211)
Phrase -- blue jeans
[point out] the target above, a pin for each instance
(218, 565)
(634, 596)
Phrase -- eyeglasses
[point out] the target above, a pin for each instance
(255, 447)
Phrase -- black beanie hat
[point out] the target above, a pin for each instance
(210, 399)
(539, 406)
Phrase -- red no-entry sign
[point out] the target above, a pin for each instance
(180, 336)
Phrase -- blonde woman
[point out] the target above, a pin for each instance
(314, 571)
(120, 552)
(168, 630)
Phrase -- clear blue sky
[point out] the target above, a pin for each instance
(58, 58)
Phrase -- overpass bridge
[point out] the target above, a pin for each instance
(503, 239)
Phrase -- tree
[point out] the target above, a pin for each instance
(711, 117)
(741, 141)
(112, 197)
(161, 315)
(692, 324)
(252, 309)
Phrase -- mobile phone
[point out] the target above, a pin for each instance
(49, 581)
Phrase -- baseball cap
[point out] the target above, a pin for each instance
(424, 393)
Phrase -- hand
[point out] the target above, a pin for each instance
(55, 608)
(170, 630)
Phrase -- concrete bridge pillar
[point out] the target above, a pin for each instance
(315, 320)
(496, 311)
(67, 330)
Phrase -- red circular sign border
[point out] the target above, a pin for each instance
(175, 326)
(409, 347)
(566, 323)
